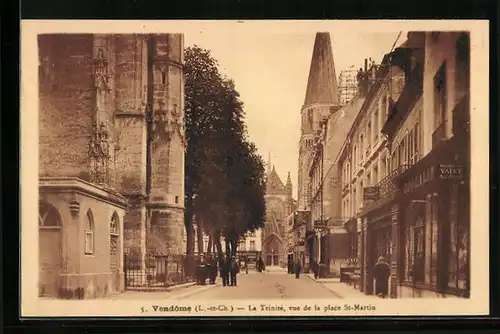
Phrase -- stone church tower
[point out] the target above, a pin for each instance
(111, 157)
(321, 100)
(279, 204)
(150, 126)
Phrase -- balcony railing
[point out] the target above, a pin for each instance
(386, 185)
(439, 134)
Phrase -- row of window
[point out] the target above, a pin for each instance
(242, 245)
(407, 152)
(369, 136)
(48, 217)
(90, 229)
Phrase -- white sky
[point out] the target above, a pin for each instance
(270, 71)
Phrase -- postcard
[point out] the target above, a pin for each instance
(254, 168)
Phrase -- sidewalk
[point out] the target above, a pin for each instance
(343, 290)
(178, 291)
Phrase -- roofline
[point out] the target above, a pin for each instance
(371, 93)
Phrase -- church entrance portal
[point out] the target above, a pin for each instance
(273, 251)
(272, 259)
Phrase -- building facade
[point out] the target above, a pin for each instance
(331, 241)
(432, 245)
(279, 205)
(321, 101)
(364, 164)
(110, 113)
(252, 242)
(408, 209)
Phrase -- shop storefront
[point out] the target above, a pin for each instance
(435, 224)
(377, 232)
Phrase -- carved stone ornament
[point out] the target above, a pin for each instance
(99, 154)
(101, 74)
(161, 126)
(164, 123)
(179, 124)
(74, 207)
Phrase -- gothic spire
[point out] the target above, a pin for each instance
(322, 82)
(288, 180)
(269, 163)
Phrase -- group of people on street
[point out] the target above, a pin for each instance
(381, 274)
(228, 268)
(206, 268)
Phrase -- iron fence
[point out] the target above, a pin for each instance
(158, 270)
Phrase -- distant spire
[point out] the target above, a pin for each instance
(322, 82)
(269, 163)
(289, 179)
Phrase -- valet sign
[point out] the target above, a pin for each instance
(451, 171)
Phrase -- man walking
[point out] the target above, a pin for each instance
(224, 270)
(234, 269)
(201, 270)
(260, 264)
(212, 270)
(298, 267)
(381, 273)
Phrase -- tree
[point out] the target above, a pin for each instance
(224, 174)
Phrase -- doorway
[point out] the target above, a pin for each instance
(49, 232)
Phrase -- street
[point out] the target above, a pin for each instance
(272, 284)
(268, 285)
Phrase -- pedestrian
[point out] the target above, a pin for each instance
(381, 273)
(224, 271)
(234, 269)
(298, 267)
(200, 268)
(260, 264)
(316, 269)
(212, 270)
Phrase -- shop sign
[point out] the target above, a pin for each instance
(371, 193)
(248, 254)
(451, 172)
(426, 175)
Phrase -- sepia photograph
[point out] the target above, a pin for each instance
(255, 168)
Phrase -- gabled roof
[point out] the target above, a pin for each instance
(274, 184)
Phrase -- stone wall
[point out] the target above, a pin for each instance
(66, 102)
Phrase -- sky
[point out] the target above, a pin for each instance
(270, 71)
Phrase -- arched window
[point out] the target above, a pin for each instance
(113, 233)
(89, 234)
(48, 216)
